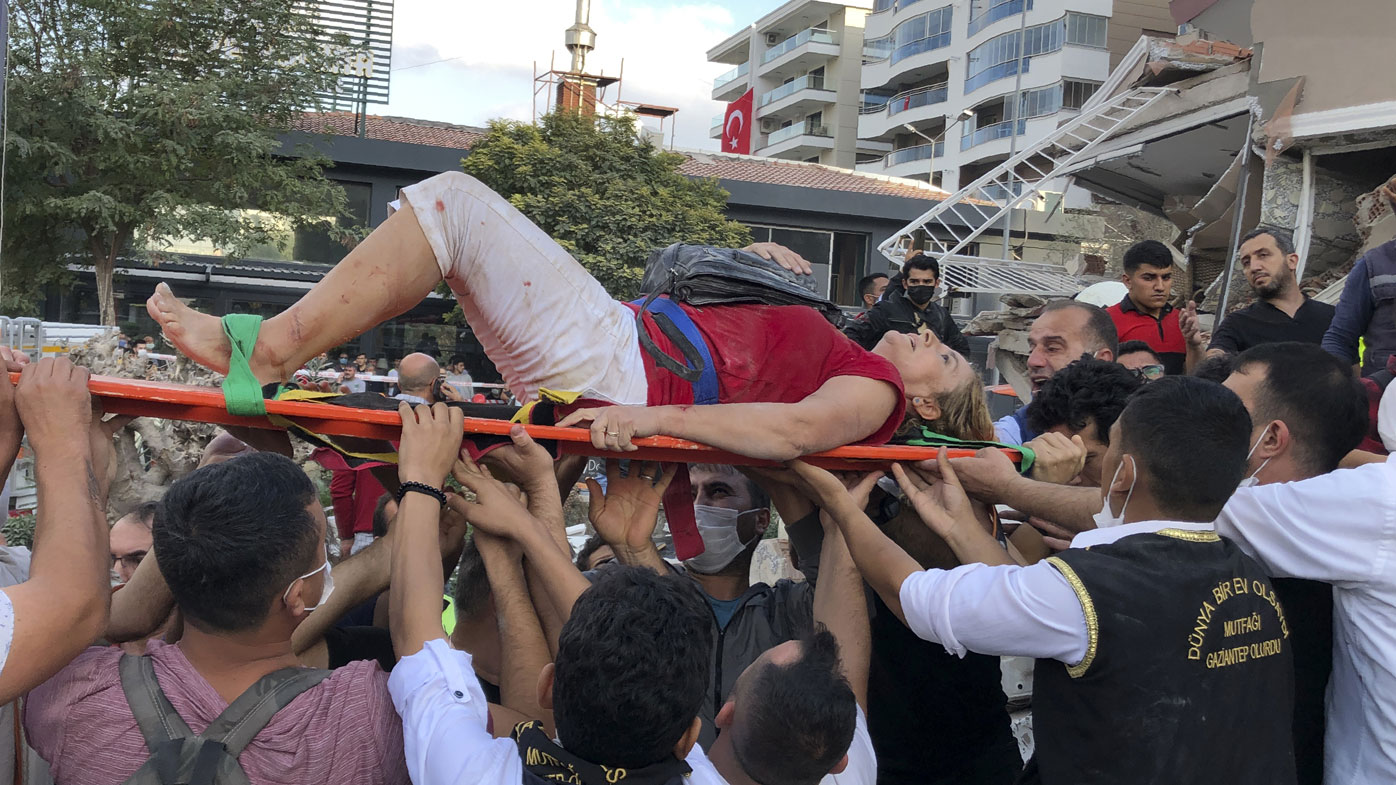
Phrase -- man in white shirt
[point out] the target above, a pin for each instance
(631, 666)
(1162, 654)
(1337, 527)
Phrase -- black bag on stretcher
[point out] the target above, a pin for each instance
(705, 275)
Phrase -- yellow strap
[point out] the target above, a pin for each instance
(385, 457)
(524, 415)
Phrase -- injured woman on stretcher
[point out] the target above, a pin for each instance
(787, 382)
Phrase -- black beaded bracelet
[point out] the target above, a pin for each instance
(420, 487)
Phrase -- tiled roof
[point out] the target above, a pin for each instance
(393, 129)
(776, 171)
(723, 166)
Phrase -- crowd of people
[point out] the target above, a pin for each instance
(1180, 529)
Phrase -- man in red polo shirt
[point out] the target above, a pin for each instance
(1146, 315)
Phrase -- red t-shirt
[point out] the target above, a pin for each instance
(770, 354)
(1163, 334)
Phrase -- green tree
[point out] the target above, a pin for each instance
(607, 197)
(133, 122)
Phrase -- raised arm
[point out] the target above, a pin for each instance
(946, 509)
(63, 606)
(882, 563)
(844, 410)
(841, 606)
(430, 441)
(520, 632)
(498, 511)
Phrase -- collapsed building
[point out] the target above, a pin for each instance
(1260, 112)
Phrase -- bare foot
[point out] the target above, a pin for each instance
(198, 335)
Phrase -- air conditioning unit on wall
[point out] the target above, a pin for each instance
(772, 39)
(770, 125)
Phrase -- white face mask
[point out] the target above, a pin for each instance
(324, 592)
(1253, 479)
(721, 543)
(1105, 519)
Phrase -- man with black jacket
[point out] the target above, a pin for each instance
(909, 309)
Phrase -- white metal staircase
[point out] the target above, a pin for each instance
(958, 220)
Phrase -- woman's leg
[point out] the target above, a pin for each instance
(391, 271)
(541, 318)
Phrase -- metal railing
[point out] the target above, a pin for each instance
(989, 133)
(872, 104)
(921, 96)
(810, 81)
(812, 34)
(802, 128)
(735, 73)
(920, 152)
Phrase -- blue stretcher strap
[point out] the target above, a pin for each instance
(705, 388)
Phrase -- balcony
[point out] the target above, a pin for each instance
(797, 98)
(1002, 9)
(798, 141)
(800, 53)
(798, 40)
(989, 133)
(715, 131)
(732, 84)
(798, 129)
(920, 152)
(937, 41)
(921, 96)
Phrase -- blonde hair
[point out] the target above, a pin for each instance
(964, 414)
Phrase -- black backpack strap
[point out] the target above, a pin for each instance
(158, 720)
(249, 714)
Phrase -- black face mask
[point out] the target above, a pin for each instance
(920, 294)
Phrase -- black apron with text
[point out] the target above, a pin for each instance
(1188, 676)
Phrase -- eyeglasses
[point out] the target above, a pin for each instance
(1148, 373)
(130, 561)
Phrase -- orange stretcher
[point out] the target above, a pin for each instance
(205, 404)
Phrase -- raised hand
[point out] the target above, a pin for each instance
(1191, 327)
(626, 514)
(524, 462)
(497, 509)
(53, 402)
(431, 437)
(943, 505)
(1059, 459)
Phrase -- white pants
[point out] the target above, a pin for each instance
(541, 318)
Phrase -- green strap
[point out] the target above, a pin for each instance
(242, 394)
(930, 438)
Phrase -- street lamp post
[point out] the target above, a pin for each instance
(961, 117)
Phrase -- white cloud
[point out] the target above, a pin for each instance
(490, 49)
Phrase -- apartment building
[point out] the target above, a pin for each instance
(804, 63)
(957, 88)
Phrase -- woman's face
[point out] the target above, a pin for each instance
(928, 367)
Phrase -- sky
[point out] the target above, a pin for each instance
(487, 52)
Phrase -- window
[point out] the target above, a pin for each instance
(316, 245)
(1085, 30)
(1043, 101)
(815, 246)
(923, 33)
(1076, 94)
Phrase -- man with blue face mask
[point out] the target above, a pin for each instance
(732, 512)
(748, 618)
(1163, 653)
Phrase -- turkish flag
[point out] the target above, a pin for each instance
(736, 125)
